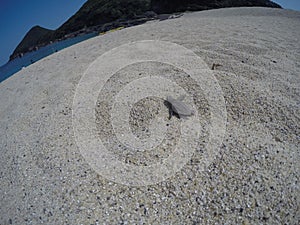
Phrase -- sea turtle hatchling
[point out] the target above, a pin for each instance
(178, 107)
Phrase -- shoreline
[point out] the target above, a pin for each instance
(103, 28)
(18, 63)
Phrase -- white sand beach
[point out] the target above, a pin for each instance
(251, 178)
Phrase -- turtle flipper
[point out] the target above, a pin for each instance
(171, 112)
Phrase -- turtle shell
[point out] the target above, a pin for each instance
(180, 107)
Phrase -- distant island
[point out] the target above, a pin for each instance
(103, 15)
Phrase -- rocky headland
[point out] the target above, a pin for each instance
(103, 15)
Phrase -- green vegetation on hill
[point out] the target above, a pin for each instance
(99, 12)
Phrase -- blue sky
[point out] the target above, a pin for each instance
(289, 4)
(17, 17)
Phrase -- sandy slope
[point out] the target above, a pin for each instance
(254, 178)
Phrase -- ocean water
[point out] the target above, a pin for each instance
(17, 64)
